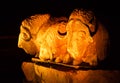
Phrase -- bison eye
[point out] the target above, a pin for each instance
(26, 34)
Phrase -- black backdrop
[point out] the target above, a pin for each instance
(13, 12)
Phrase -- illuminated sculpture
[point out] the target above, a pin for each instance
(88, 40)
(79, 38)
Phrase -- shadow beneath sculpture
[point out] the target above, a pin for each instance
(52, 73)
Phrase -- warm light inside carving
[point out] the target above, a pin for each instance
(79, 38)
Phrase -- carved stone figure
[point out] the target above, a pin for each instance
(44, 37)
(29, 30)
(88, 40)
(53, 45)
(79, 38)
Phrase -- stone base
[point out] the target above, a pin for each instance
(43, 74)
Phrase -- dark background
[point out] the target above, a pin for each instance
(13, 12)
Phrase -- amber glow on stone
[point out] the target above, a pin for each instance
(79, 38)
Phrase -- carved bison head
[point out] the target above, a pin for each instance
(29, 29)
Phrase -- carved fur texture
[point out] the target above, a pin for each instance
(79, 38)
